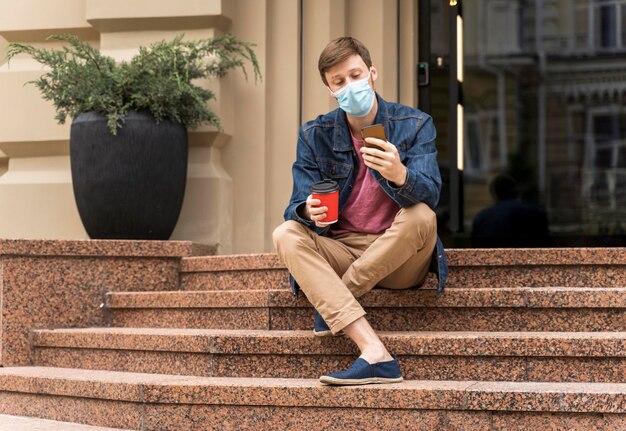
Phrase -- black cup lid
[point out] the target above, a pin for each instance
(326, 186)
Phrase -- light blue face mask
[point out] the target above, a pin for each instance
(356, 98)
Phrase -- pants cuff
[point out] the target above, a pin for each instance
(337, 327)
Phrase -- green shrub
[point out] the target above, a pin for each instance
(158, 79)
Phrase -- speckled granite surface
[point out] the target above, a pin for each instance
(248, 318)
(446, 367)
(537, 276)
(449, 395)
(20, 423)
(456, 258)
(97, 412)
(214, 418)
(582, 344)
(159, 417)
(476, 309)
(558, 267)
(565, 275)
(245, 262)
(116, 248)
(537, 256)
(219, 418)
(236, 280)
(557, 422)
(453, 376)
(63, 283)
(461, 319)
(558, 297)
(588, 357)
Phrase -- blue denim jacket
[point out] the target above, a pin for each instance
(325, 151)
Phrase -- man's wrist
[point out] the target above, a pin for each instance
(403, 178)
(302, 212)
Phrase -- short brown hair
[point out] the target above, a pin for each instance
(339, 50)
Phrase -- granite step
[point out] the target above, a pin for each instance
(497, 356)
(183, 403)
(19, 423)
(569, 267)
(460, 309)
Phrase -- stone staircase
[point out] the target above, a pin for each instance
(521, 340)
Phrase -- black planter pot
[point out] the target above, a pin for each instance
(130, 185)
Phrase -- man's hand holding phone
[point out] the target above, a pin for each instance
(382, 156)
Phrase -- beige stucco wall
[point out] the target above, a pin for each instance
(239, 180)
(4, 161)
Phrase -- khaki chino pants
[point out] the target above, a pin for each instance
(333, 272)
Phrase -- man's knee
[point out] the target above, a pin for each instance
(287, 232)
(419, 218)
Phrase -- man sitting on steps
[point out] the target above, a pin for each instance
(386, 234)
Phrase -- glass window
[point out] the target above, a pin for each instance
(474, 154)
(606, 29)
(551, 116)
(623, 23)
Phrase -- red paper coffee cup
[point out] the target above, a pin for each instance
(327, 191)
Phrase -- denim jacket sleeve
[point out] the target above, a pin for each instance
(423, 183)
(305, 173)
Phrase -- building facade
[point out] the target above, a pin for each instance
(239, 180)
(543, 94)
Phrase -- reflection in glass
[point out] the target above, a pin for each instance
(544, 93)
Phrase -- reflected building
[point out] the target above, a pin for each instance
(544, 95)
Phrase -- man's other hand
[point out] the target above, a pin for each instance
(386, 162)
(314, 212)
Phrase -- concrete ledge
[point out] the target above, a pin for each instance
(47, 283)
(424, 355)
(412, 394)
(537, 256)
(57, 16)
(260, 342)
(103, 248)
(469, 268)
(532, 297)
(121, 15)
(16, 423)
(456, 258)
(566, 310)
(244, 262)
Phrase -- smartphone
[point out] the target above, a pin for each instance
(374, 131)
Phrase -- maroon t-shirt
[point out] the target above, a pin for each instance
(368, 209)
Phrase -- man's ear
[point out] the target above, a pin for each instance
(374, 73)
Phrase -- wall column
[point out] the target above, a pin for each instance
(35, 177)
(35, 180)
(124, 27)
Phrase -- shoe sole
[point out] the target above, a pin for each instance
(326, 333)
(327, 380)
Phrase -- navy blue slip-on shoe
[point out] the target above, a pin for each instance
(362, 373)
(320, 328)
